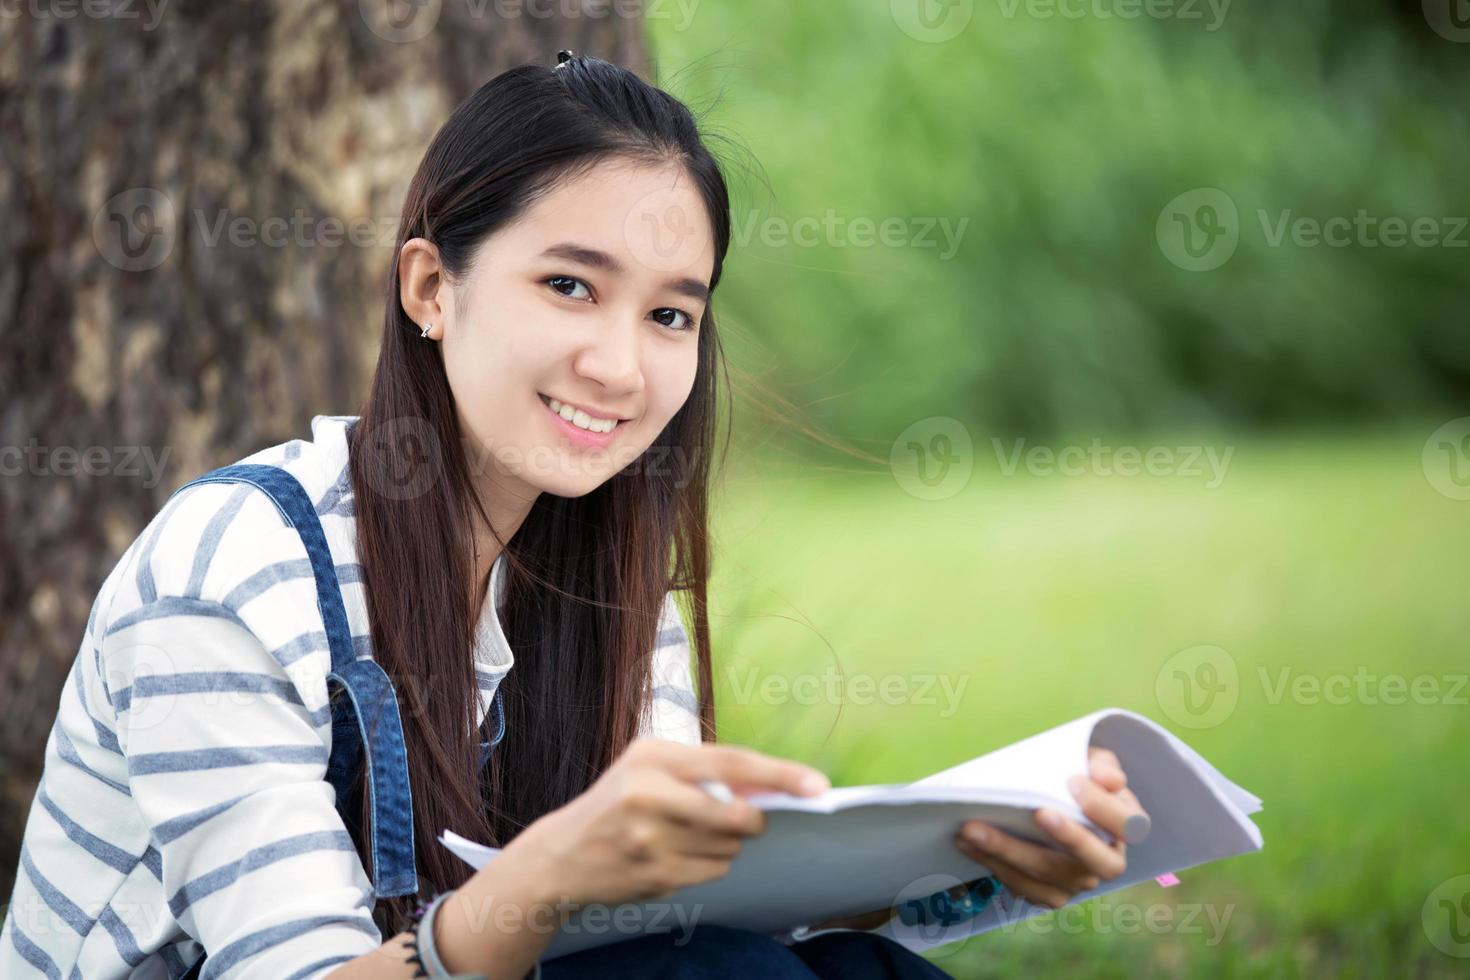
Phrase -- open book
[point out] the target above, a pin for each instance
(859, 848)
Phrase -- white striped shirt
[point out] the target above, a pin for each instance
(184, 804)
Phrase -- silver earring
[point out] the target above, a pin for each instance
(424, 333)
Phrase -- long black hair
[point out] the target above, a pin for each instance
(586, 576)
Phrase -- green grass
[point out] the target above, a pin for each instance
(1050, 596)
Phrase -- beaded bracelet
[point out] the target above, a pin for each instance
(425, 954)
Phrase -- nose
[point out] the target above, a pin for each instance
(612, 358)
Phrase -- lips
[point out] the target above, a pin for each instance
(577, 435)
(594, 420)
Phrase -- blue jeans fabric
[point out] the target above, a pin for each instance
(711, 952)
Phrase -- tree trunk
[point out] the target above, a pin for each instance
(196, 222)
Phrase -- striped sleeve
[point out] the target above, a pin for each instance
(227, 743)
(674, 707)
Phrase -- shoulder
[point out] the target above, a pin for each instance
(209, 540)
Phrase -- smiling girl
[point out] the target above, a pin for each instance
(300, 672)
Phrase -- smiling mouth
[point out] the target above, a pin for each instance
(579, 418)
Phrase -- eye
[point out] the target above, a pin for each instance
(559, 283)
(566, 279)
(688, 320)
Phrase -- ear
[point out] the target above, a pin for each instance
(423, 290)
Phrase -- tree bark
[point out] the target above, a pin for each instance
(196, 222)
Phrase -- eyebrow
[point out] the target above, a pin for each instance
(597, 259)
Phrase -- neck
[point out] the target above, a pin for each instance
(507, 502)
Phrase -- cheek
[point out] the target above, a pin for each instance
(494, 362)
(670, 381)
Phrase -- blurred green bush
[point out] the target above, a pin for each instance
(1053, 144)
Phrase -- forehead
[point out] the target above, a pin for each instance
(650, 218)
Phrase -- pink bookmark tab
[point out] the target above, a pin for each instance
(1168, 881)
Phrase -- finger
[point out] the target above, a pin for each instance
(686, 804)
(981, 842)
(1102, 860)
(737, 765)
(687, 871)
(743, 790)
(1109, 811)
(1104, 767)
(701, 842)
(1022, 884)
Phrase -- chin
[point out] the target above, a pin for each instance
(572, 488)
(573, 478)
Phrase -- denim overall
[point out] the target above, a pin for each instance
(366, 716)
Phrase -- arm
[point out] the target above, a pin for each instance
(472, 931)
(228, 767)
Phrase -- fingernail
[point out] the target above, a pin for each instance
(977, 835)
(1049, 820)
(1076, 785)
(815, 782)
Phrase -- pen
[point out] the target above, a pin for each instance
(1136, 828)
(718, 789)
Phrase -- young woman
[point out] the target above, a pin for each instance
(300, 672)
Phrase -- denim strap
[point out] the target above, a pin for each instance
(368, 711)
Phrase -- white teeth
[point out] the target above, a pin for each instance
(581, 419)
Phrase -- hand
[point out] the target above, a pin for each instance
(644, 829)
(1041, 875)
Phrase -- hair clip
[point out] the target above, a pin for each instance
(563, 56)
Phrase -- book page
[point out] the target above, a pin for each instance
(855, 849)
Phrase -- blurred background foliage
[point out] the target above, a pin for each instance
(1059, 141)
